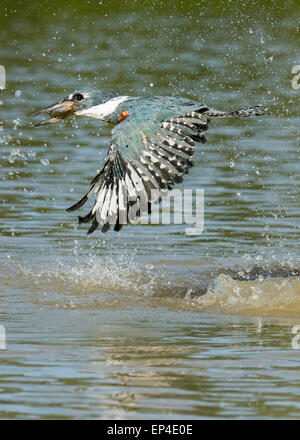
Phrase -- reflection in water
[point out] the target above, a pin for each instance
(168, 365)
(150, 322)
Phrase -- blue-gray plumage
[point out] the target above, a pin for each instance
(152, 146)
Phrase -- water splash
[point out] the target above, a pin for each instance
(121, 282)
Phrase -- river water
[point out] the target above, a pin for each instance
(151, 322)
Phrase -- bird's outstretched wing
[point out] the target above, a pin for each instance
(145, 158)
(147, 155)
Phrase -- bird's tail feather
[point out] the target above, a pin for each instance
(244, 113)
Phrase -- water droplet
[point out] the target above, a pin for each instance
(45, 162)
(16, 122)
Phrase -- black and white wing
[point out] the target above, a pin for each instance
(145, 158)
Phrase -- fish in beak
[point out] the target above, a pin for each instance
(59, 111)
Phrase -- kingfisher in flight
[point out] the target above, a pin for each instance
(152, 146)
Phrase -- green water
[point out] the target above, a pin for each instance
(151, 322)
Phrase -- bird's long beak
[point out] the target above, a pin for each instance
(61, 110)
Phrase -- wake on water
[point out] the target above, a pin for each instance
(107, 282)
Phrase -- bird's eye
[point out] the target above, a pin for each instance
(78, 96)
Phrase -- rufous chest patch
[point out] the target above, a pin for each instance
(123, 115)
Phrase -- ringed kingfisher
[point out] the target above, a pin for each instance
(151, 148)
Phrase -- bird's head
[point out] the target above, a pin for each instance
(76, 104)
